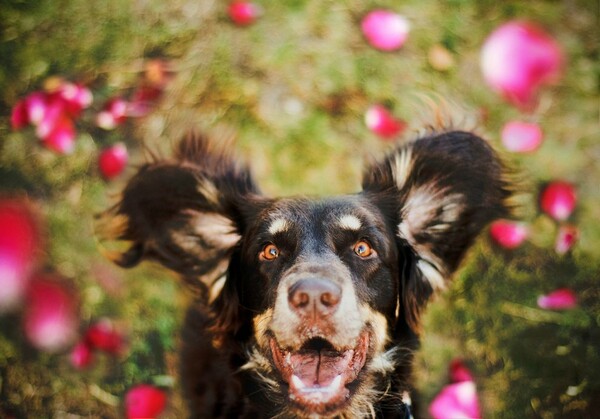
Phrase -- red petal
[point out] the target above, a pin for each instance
(112, 161)
(81, 355)
(144, 401)
(566, 238)
(518, 58)
(521, 137)
(458, 400)
(19, 116)
(113, 113)
(76, 97)
(508, 234)
(50, 317)
(560, 299)
(61, 138)
(379, 120)
(20, 243)
(36, 104)
(459, 371)
(558, 200)
(385, 30)
(104, 336)
(244, 13)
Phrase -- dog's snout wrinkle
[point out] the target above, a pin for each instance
(314, 297)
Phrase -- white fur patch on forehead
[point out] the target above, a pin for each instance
(349, 222)
(279, 225)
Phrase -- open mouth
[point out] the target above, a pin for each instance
(318, 375)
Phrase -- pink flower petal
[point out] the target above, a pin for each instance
(456, 401)
(50, 317)
(385, 30)
(76, 97)
(112, 161)
(459, 372)
(104, 336)
(19, 117)
(521, 137)
(82, 355)
(379, 120)
(36, 106)
(509, 234)
(61, 138)
(20, 243)
(518, 58)
(558, 200)
(560, 299)
(244, 13)
(566, 238)
(144, 401)
(113, 113)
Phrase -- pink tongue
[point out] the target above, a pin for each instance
(316, 368)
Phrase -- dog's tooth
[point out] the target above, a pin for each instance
(335, 384)
(288, 358)
(297, 382)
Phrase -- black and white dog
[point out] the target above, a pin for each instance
(308, 307)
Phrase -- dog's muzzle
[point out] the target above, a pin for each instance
(319, 374)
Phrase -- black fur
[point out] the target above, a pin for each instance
(308, 307)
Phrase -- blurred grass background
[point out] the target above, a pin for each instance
(294, 87)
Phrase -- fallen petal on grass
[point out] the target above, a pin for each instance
(21, 241)
(560, 299)
(144, 401)
(51, 316)
(565, 238)
(385, 30)
(456, 401)
(112, 161)
(558, 200)
(521, 137)
(244, 13)
(518, 58)
(381, 121)
(509, 234)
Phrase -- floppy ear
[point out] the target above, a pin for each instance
(185, 213)
(439, 192)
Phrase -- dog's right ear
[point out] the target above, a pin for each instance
(187, 213)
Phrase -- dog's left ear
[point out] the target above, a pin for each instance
(438, 192)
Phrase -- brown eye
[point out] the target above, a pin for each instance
(363, 249)
(269, 252)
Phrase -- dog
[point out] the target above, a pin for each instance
(308, 308)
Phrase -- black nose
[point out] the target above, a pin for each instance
(314, 296)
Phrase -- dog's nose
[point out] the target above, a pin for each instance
(314, 295)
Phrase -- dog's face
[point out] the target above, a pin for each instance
(321, 281)
(321, 297)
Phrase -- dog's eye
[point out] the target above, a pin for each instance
(269, 252)
(363, 249)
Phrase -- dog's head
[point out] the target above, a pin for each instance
(324, 295)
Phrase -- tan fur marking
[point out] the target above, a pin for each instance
(403, 166)
(216, 288)
(261, 325)
(209, 191)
